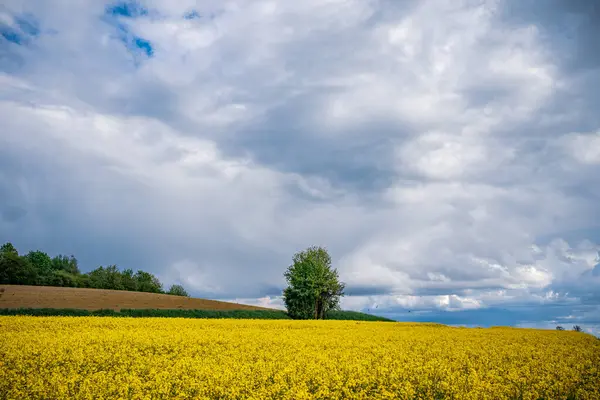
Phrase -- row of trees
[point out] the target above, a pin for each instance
(313, 291)
(576, 328)
(38, 268)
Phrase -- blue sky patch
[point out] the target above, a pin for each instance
(191, 15)
(135, 44)
(127, 9)
(143, 45)
(26, 27)
(11, 35)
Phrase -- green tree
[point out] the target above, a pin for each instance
(177, 290)
(16, 270)
(113, 278)
(8, 248)
(83, 281)
(128, 280)
(146, 282)
(42, 263)
(97, 278)
(106, 278)
(64, 263)
(62, 278)
(313, 288)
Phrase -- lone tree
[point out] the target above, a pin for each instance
(313, 288)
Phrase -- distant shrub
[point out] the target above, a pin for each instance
(177, 290)
(48, 312)
(355, 316)
(62, 278)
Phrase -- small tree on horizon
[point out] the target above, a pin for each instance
(147, 282)
(177, 290)
(577, 328)
(8, 248)
(313, 288)
(67, 264)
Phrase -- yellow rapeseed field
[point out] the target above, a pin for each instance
(126, 358)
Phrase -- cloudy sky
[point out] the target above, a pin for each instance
(447, 153)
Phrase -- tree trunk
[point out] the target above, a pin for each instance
(319, 310)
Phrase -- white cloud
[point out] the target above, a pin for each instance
(584, 148)
(267, 301)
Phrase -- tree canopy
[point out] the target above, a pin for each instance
(177, 290)
(38, 268)
(313, 288)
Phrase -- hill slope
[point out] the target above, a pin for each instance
(15, 296)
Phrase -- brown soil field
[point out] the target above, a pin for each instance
(17, 296)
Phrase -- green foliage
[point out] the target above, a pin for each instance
(8, 248)
(41, 262)
(62, 278)
(64, 263)
(113, 278)
(313, 288)
(128, 281)
(177, 290)
(177, 313)
(16, 270)
(84, 281)
(46, 312)
(98, 278)
(37, 268)
(355, 316)
(146, 282)
(237, 314)
(141, 313)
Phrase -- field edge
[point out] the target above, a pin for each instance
(178, 313)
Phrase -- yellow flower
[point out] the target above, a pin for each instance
(156, 358)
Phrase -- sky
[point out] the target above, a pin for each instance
(445, 152)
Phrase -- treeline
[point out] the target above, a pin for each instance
(38, 268)
(355, 316)
(142, 313)
(165, 313)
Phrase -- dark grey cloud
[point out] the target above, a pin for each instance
(286, 139)
(13, 213)
(372, 290)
